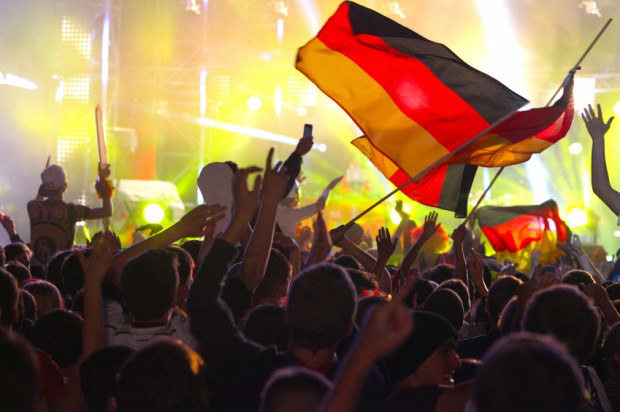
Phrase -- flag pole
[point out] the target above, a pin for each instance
(575, 67)
(434, 165)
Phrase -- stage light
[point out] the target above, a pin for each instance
(395, 217)
(277, 101)
(617, 108)
(575, 148)
(302, 111)
(202, 89)
(12, 80)
(301, 92)
(617, 233)
(395, 8)
(590, 7)
(322, 147)
(577, 217)
(254, 103)
(584, 92)
(153, 213)
(280, 29)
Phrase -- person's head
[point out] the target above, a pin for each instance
(613, 291)
(9, 296)
(293, 388)
(321, 306)
(427, 357)
(347, 262)
(59, 334)
(192, 246)
(611, 348)
(576, 276)
(439, 273)
(362, 281)
(447, 303)
(72, 273)
(19, 271)
(500, 292)
(419, 293)
(567, 314)
(53, 181)
(149, 284)
(30, 305)
(458, 286)
(507, 319)
(54, 267)
(46, 295)
(528, 372)
(365, 304)
(98, 375)
(165, 375)
(19, 381)
(274, 285)
(266, 325)
(185, 270)
(18, 252)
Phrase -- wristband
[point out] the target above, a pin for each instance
(104, 188)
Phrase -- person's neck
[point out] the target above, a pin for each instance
(312, 359)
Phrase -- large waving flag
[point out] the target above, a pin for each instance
(418, 103)
(515, 231)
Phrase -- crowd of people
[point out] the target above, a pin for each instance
(256, 318)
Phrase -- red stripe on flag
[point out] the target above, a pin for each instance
(412, 86)
(428, 190)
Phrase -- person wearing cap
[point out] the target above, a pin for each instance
(52, 220)
(421, 369)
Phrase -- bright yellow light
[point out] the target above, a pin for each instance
(575, 148)
(584, 91)
(153, 213)
(254, 103)
(577, 217)
(395, 217)
(617, 108)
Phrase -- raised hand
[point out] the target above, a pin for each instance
(595, 124)
(304, 145)
(337, 234)
(8, 223)
(97, 264)
(285, 241)
(200, 220)
(275, 179)
(385, 245)
(430, 225)
(246, 201)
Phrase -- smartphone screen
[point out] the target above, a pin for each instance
(307, 130)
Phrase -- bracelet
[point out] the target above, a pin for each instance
(104, 188)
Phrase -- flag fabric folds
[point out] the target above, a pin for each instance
(515, 231)
(418, 104)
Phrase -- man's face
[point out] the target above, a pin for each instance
(439, 368)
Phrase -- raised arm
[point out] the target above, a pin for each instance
(428, 230)
(386, 246)
(9, 225)
(196, 223)
(257, 252)
(104, 190)
(601, 185)
(460, 266)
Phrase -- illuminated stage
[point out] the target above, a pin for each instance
(185, 83)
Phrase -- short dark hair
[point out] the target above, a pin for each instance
(528, 372)
(9, 297)
(98, 375)
(458, 286)
(361, 280)
(613, 291)
(266, 325)
(72, 273)
(566, 313)
(59, 334)
(296, 387)
(13, 250)
(149, 283)
(192, 246)
(277, 273)
(500, 293)
(54, 267)
(423, 288)
(439, 273)
(576, 276)
(185, 263)
(321, 306)
(165, 375)
(19, 271)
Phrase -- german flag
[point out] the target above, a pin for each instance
(415, 100)
(420, 105)
(515, 231)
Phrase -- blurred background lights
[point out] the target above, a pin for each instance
(577, 217)
(575, 148)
